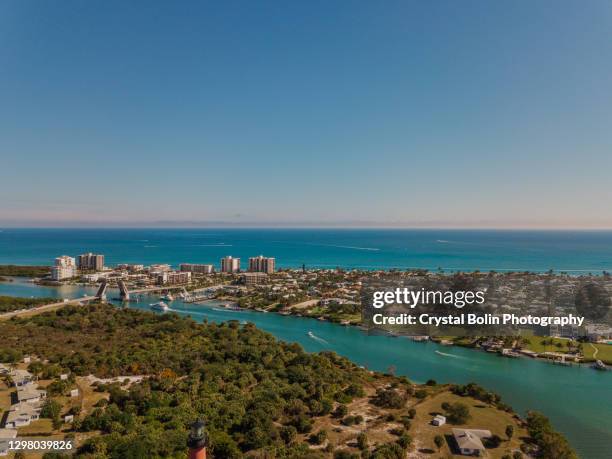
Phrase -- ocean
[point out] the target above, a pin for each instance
(450, 250)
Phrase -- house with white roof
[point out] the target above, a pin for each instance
(21, 377)
(21, 414)
(469, 441)
(30, 394)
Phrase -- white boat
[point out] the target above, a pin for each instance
(599, 365)
(161, 306)
(310, 334)
(168, 297)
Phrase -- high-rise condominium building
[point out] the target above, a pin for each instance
(230, 265)
(196, 268)
(64, 268)
(261, 264)
(90, 262)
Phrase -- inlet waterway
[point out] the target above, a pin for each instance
(578, 400)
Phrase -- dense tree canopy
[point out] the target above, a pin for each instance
(256, 393)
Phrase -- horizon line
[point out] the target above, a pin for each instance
(306, 227)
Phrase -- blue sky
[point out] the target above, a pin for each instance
(349, 113)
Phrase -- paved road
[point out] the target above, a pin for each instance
(44, 308)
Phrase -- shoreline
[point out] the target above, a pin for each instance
(300, 309)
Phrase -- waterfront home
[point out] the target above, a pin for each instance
(469, 441)
(438, 420)
(5, 436)
(22, 414)
(30, 394)
(21, 377)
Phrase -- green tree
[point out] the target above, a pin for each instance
(458, 413)
(439, 441)
(362, 441)
(51, 409)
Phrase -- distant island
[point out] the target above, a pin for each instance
(24, 271)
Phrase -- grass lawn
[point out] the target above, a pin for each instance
(88, 396)
(604, 352)
(483, 416)
(5, 397)
(536, 344)
(41, 426)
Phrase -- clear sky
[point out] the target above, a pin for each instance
(351, 113)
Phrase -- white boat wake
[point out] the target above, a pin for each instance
(316, 338)
(449, 355)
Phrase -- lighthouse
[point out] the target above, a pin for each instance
(197, 441)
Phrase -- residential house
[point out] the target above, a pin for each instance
(30, 394)
(22, 414)
(469, 441)
(21, 377)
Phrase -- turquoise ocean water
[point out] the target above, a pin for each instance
(571, 251)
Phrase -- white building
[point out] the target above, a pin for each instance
(22, 414)
(196, 268)
(173, 278)
(230, 265)
(160, 268)
(469, 441)
(64, 268)
(438, 420)
(21, 377)
(30, 394)
(254, 278)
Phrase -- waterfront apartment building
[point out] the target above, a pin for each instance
(63, 268)
(173, 278)
(90, 262)
(254, 278)
(261, 264)
(196, 268)
(156, 269)
(230, 265)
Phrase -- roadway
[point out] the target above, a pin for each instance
(44, 308)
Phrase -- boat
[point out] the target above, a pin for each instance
(599, 365)
(168, 297)
(161, 306)
(310, 334)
